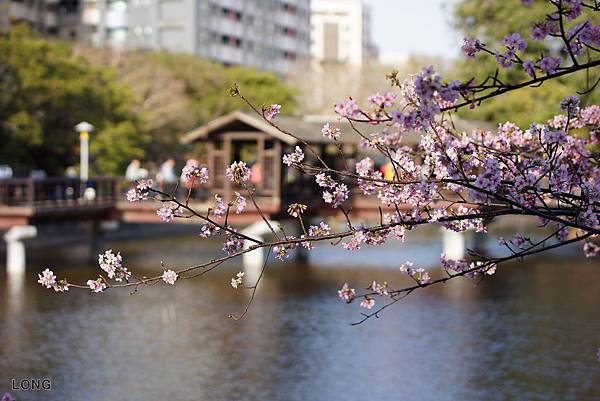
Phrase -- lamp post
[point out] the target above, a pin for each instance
(84, 128)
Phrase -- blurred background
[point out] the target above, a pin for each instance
(95, 94)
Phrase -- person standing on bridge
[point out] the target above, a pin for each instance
(134, 172)
(167, 177)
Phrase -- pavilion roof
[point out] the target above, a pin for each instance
(306, 128)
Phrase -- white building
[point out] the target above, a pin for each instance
(341, 32)
(266, 34)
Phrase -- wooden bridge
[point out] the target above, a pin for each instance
(32, 202)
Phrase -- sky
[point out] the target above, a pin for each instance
(405, 27)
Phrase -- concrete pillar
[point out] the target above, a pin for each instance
(15, 248)
(253, 261)
(454, 244)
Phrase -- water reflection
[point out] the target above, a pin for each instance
(528, 334)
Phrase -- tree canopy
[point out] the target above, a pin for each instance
(46, 90)
(176, 92)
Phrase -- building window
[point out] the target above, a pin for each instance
(231, 14)
(290, 8)
(231, 41)
(291, 32)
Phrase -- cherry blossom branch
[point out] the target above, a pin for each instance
(531, 82)
(459, 180)
(500, 90)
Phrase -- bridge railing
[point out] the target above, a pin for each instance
(58, 192)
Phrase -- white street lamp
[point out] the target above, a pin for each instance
(84, 128)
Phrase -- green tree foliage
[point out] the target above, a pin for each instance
(178, 92)
(490, 21)
(207, 84)
(45, 90)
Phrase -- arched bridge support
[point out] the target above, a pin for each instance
(15, 248)
(253, 261)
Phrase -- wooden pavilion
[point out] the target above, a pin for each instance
(245, 136)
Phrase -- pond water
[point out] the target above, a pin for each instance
(529, 333)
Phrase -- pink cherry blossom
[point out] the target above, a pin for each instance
(47, 278)
(347, 293)
(220, 208)
(238, 172)
(169, 276)
(338, 196)
(330, 132)
(272, 111)
(140, 191)
(348, 108)
(296, 209)
(515, 41)
(471, 46)
(97, 285)
(591, 250)
(168, 213)
(237, 280)
(293, 158)
(367, 303)
(233, 244)
(192, 172)
(113, 265)
(239, 202)
(549, 65)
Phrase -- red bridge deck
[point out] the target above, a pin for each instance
(27, 201)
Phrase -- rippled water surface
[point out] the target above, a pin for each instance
(530, 333)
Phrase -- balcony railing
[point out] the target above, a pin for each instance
(60, 192)
(227, 26)
(228, 54)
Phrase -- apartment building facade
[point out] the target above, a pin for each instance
(269, 35)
